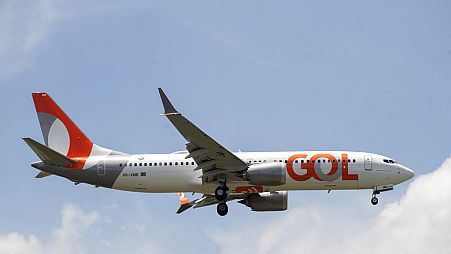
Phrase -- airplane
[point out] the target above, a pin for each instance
(258, 180)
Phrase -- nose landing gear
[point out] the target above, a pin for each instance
(374, 200)
(378, 190)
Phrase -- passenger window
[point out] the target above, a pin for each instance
(296, 161)
(145, 164)
(120, 164)
(155, 164)
(353, 160)
(308, 161)
(130, 164)
(324, 161)
(165, 163)
(176, 163)
(161, 164)
(170, 163)
(339, 160)
(302, 161)
(136, 164)
(192, 163)
(286, 161)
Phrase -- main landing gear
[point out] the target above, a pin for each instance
(221, 196)
(222, 189)
(221, 193)
(222, 209)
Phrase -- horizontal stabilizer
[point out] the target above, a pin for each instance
(183, 208)
(42, 174)
(184, 203)
(48, 155)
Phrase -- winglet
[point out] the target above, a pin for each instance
(168, 108)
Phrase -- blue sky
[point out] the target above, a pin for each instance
(255, 75)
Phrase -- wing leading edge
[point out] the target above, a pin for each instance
(209, 155)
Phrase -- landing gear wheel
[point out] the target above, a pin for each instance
(221, 193)
(222, 209)
(374, 201)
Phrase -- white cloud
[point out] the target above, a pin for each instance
(24, 25)
(16, 243)
(74, 223)
(68, 238)
(418, 223)
(84, 232)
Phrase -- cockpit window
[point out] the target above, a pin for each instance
(389, 161)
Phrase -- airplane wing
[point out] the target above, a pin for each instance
(209, 155)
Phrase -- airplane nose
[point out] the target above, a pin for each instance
(410, 173)
(407, 173)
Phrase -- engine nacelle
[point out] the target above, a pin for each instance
(268, 174)
(267, 201)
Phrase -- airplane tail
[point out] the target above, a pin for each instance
(184, 203)
(48, 155)
(61, 134)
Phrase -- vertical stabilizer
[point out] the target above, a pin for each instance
(60, 133)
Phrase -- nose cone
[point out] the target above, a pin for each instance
(406, 173)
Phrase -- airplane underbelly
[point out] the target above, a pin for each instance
(158, 180)
(314, 184)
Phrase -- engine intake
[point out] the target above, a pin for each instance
(268, 174)
(267, 201)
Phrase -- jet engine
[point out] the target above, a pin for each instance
(268, 174)
(267, 201)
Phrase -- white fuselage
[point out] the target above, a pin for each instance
(174, 173)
